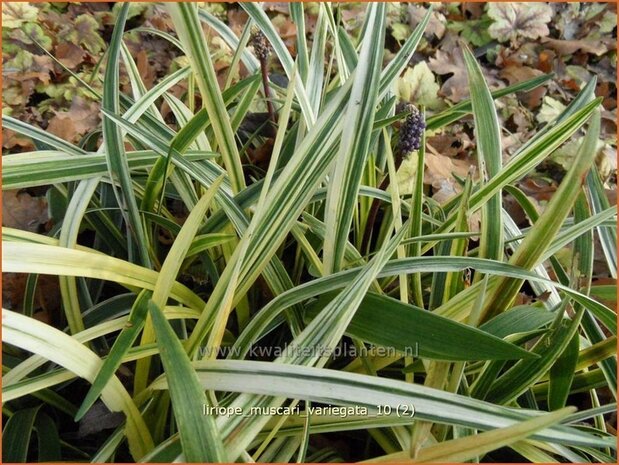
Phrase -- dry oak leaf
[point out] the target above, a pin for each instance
(237, 20)
(511, 20)
(287, 30)
(456, 87)
(69, 54)
(22, 211)
(82, 117)
(568, 47)
(146, 70)
(63, 126)
(440, 168)
(436, 25)
(515, 74)
(12, 139)
(46, 298)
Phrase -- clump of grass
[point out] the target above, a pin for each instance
(295, 265)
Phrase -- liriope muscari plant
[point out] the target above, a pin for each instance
(325, 304)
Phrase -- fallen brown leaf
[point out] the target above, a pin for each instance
(147, 71)
(46, 298)
(82, 117)
(514, 74)
(237, 20)
(568, 47)
(22, 211)
(63, 126)
(436, 25)
(455, 88)
(69, 54)
(440, 168)
(11, 140)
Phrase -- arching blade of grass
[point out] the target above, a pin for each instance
(114, 144)
(207, 241)
(68, 238)
(420, 333)
(36, 384)
(545, 229)
(297, 14)
(518, 320)
(199, 435)
(306, 291)
(29, 365)
(189, 29)
(315, 76)
(489, 153)
(297, 382)
(292, 426)
(40, 135)
(31, 169)
(39, 338)
(525, 373)
(49, 259)
(18, 430)
(353, 152)
(84, 262)
(468, 448)
(121, 345)
(608, 236)
(49, 444)
(562, 373)
(576, 231)
(16, 433)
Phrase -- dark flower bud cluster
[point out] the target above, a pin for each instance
(411, 129)
(261, 45)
